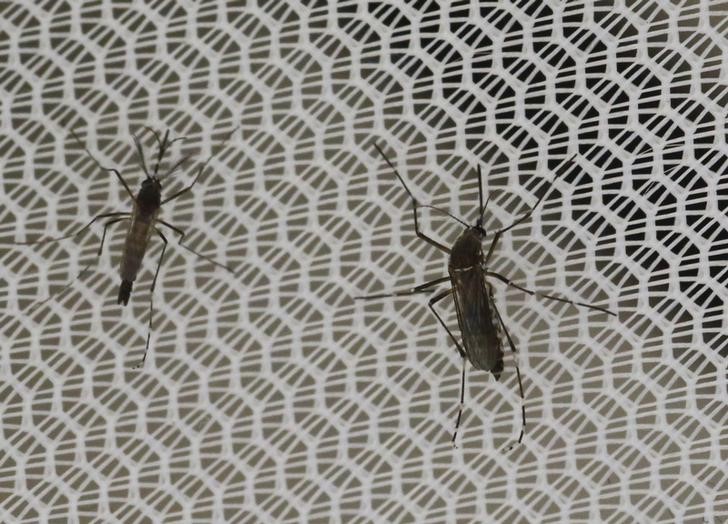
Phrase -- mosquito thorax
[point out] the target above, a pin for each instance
(149, 197)
(467, 251)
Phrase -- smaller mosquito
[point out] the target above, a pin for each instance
(143, 219)
(480, 323)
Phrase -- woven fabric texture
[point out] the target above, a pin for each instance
(269, 394)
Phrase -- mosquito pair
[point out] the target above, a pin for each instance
(143, 219)
(481, 324)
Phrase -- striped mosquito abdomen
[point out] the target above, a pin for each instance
(146, 209)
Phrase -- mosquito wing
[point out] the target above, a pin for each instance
(477, 320)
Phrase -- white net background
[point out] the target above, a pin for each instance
(271, 395)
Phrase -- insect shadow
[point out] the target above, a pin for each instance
(143, 220)
(480, 323)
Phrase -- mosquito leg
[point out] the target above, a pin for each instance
(422, 288)
(462, 403)
(182, 235)
(433, 301)
(107, 169)
(525, 216)
(163, 145)
(71, 235)
(422, 235)
(518, 374)
(156, 136)
(481, 207)
(140, 154)
(186, 189)
(415, 205)
(151, 297)
(85, 268)
(199, 172)
(546, 295)
(174, 167)
(530, 211)
(491, 248)
(444, 212)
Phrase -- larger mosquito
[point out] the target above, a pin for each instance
(480, 323)
(143, 220)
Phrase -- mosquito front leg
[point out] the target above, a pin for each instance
(199, 172)
(415, 205)
(530, 211)
(491, 249)
(525, 216)
(508, 281)
(182, 235)
(140, 154)
(107, 169)
(420, 234)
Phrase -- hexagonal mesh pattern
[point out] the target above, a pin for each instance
(270, 395)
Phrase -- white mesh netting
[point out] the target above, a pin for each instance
(271, 395)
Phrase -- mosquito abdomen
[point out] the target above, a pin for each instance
(124, 292)
(479, 326)
(135, 246)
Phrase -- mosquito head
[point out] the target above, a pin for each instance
(163, 145)
(467, 251)
(479, 229)
(149, 197)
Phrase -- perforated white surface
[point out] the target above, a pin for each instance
(271, 395)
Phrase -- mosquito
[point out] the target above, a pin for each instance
(481, 324)
(143, 219)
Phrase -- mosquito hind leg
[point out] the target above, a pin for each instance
(509, 282)
(151, 297)
(518, 374)
(431, 304)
